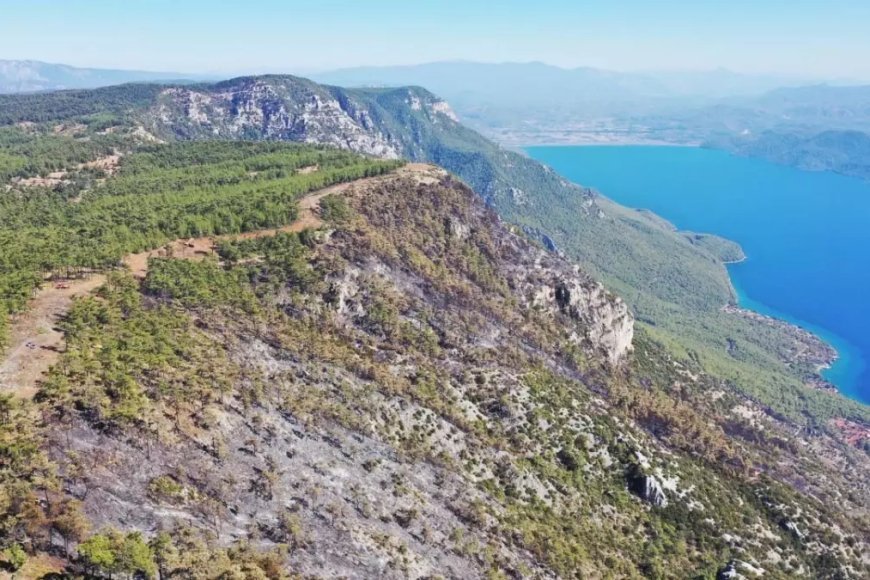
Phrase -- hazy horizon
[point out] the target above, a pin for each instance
(316, 71)
(798, 39)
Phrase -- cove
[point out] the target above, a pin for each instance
(806, 234)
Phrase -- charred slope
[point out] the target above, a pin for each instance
(413, 391)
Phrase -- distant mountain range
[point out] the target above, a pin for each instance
(786, 120)
(492, 95)
(26, 76)
(819, 127)
(809, 108)
(845, 152)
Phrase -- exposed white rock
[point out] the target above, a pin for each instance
(650, 490)
(414, 102)
(443, 108)
(519, 196)
(751, 569)
(458, 230)
(642, 459)
(260, 108)
(606, 320)
(792, 527)
(729, 572)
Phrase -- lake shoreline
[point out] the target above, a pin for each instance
(842, 352)
(520, 140)
(822, 356)
(828, 354)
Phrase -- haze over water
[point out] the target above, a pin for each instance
(806, 234)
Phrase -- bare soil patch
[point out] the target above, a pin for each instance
(109, 163)
(52, 179)
(200, 248)
(35, 341)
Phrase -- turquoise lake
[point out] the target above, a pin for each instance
(806, 234)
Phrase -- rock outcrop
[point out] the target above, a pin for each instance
(294, 109)
(598, 319)
(649, 489)
(267, 110)
(589, 315)
(728, 572)
(423, 291)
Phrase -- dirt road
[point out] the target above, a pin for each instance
(199, 248)
(36, 343)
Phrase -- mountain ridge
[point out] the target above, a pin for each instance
(415, 387)
(784, 120)
(616, 106)
(25, 76)
(666, 278)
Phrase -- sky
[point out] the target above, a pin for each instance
(806, 38)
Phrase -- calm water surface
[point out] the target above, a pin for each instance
(806, 234)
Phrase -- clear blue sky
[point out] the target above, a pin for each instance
(812, 38)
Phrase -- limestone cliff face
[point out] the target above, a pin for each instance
(293, 109)
(545, 281)
(598, 320)
(601, 320)
(263, 110)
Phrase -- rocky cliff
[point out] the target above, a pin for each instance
(379, 396)
(407, 122)
(293, 109)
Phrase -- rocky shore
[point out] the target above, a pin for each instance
(807, 351)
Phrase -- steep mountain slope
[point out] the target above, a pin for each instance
(414, 124)
(29, 76)
(677, 288)
(414, 389)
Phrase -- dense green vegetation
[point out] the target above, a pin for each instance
(677, 285)
(165, 361)
(64, 105)
(160, 193)
(38, 151)
(725, 250)
(675, 282)
(840, 151)
(121, 354)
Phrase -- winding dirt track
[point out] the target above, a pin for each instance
(35, 342)
(199, 248)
